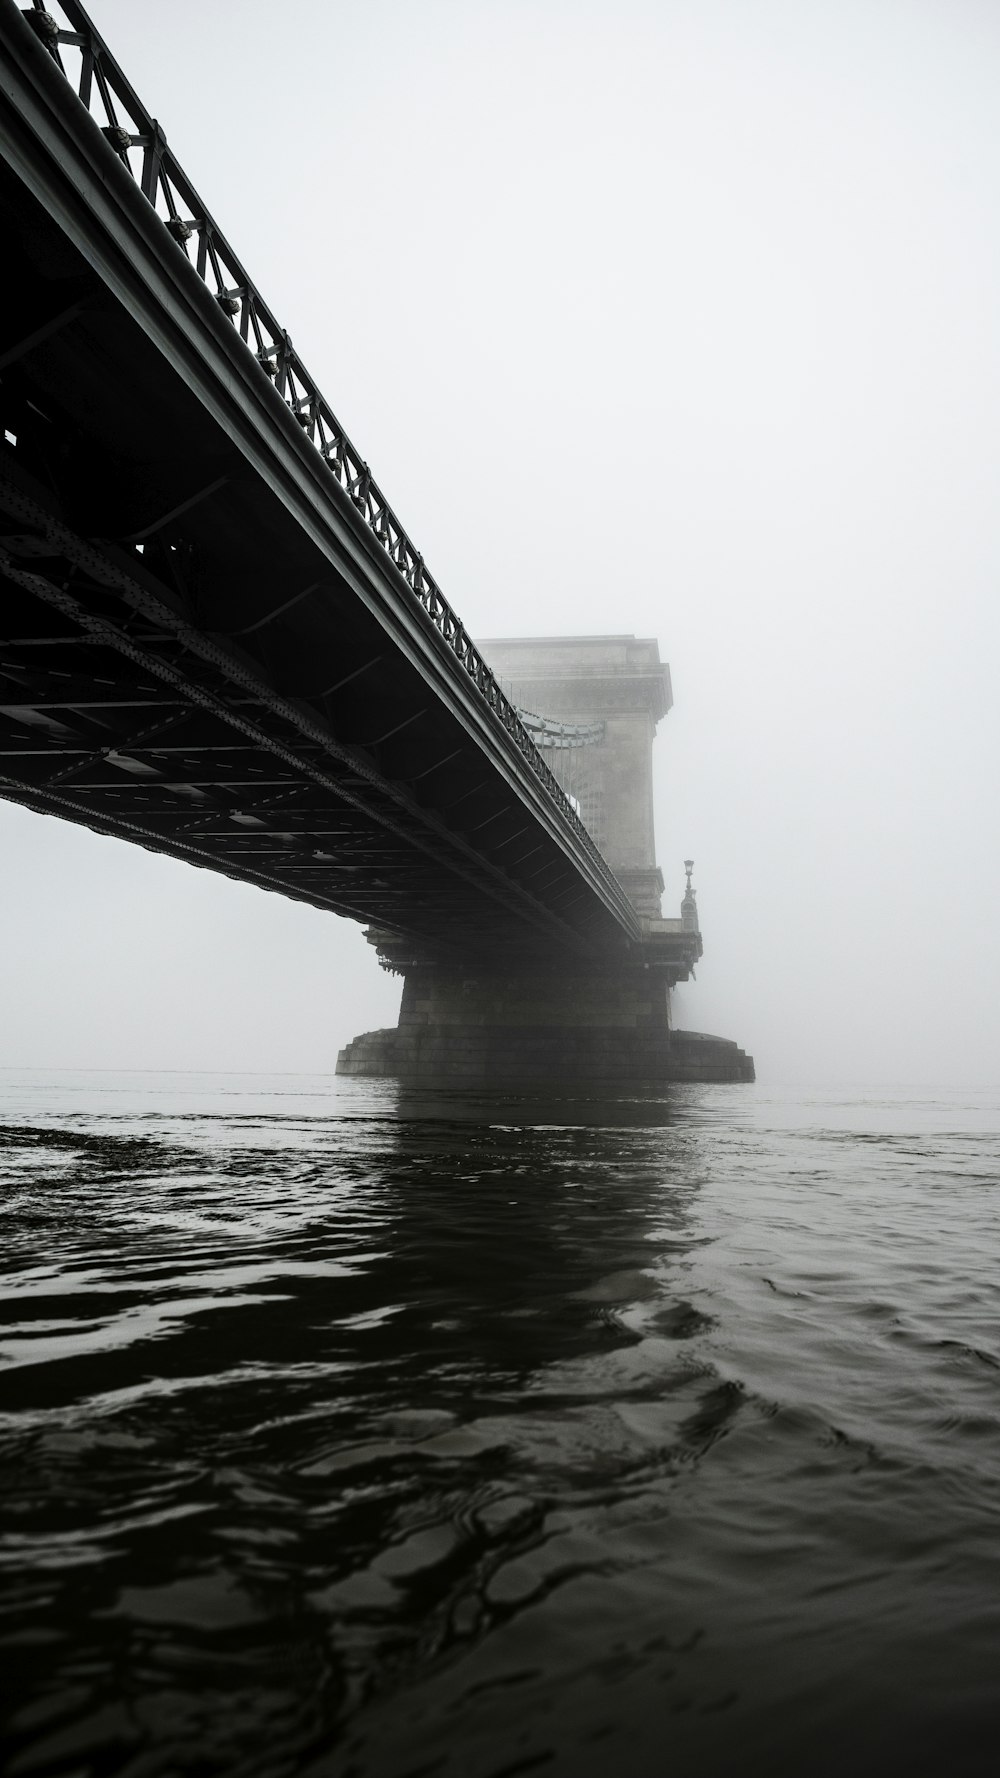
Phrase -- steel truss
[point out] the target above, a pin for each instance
(139, 143)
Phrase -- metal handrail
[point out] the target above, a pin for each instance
(141, 146)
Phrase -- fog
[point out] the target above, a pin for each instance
(673, 318)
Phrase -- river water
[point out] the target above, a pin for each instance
(350, 1432)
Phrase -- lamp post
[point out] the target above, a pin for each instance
(689, 906)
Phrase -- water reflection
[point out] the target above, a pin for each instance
(658, 1109)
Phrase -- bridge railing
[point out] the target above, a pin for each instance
(137, 139)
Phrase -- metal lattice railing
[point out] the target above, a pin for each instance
(140, 144)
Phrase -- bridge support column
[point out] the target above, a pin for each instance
(587, 1024)
(521, 1025)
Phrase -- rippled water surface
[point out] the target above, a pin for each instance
(347, 1432)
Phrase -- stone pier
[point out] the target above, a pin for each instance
(597, 1024)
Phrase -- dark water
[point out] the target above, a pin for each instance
(348, 1433)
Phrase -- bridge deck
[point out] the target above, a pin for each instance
(215, 641)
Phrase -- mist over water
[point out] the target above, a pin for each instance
(347, 1431)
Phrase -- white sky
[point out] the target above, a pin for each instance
(675, 318)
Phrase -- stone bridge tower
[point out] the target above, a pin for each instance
(592, 704)
(620, 685)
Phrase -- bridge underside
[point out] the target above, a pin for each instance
(204, 649)
(115, 715)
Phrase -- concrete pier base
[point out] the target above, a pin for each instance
(593, 1027)
(526, 1058)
